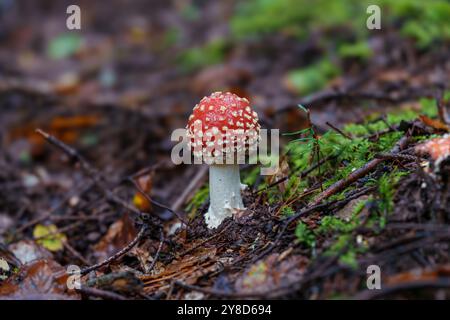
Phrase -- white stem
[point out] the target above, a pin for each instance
(224, 193)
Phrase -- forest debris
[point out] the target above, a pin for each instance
(188, 269)
(437, 148)
(27, 251)
(124, 282)
(436, 124)
(42, 279)
(270, 274)
(5, 223)
(4, 269)
(119, 234)
(281, 174)
(419, 274)
(145, 184)
(346, 213)
(357, 174)
(118, 254)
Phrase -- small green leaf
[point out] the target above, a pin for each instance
(48, 237)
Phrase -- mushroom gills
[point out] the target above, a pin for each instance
(225, 193)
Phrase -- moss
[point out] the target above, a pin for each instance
(256, 17)
(197, 200)
(386, 189)
(331, 224)
(358, 49)
(202, 56)
(304, 235)
(287, 211)
(249, 176)
(424, 21)
(313, 77)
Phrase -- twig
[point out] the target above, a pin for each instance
(75, 253)
(94, 174)
(117, 255)
(156, 203)
(285, 225)
(302, 174)
(161, 242)
(339, 131)
(442, 109)
(190, 187)
(59, 205)
(327, 94)
(357, 174)
(221, 293)
(396, 156)
(94, 292)
(375, 294)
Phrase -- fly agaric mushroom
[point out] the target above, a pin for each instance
(223, 128)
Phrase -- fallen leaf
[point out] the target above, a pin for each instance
(436, 124)
(139, 200)
(123, 282)
(269, 274)
(27, 251)
(48, 237)
(419, 274)
(40, 280)
(119, 234)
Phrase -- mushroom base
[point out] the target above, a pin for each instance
(224, 192)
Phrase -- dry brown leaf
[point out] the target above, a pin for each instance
(269, 274)
(119, 234)
(436, 124)
(145, 182)
(427, 274)
(40, 280)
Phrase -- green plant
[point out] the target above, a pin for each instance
(197, 200)
(201, 56)
(313, 77)
(304, 235)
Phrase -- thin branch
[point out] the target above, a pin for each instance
(161, 242)
(357, 174)
(154, 202)
(376, 294)
(342, 133)
(107, 295)
(117, 255)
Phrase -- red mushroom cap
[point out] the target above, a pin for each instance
(222, 123)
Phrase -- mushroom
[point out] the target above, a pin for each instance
(223, 128)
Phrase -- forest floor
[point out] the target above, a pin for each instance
(86, 177)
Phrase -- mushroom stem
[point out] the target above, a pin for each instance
(225, 193)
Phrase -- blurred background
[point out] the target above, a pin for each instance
(118, 87)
